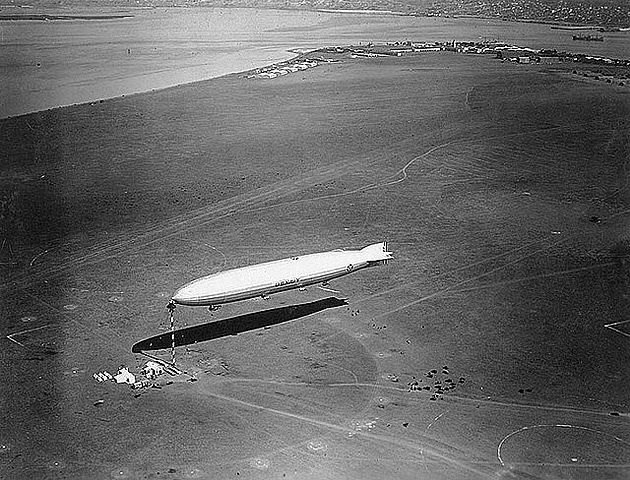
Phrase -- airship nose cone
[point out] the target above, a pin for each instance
(181, 296)
(177, 298)
(195, 293)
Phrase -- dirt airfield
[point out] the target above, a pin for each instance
(481, 352)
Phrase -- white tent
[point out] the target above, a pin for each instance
(124, 376)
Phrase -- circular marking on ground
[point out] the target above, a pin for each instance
(383, 401)
(317, 446)
(121, 472)
(115, 298)
(4, 448)
(260, 463)
(70, 307)
(56, 465)
(192, 473)
(28, 319)
(562, 445)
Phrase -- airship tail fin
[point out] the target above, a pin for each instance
(377, 253)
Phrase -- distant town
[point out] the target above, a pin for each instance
(573, 12)
(601, 13)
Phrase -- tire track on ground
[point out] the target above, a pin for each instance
(396, 178)
(184, 222)
(468, 280)
(433, 448)
(450, 272)
(240, 203)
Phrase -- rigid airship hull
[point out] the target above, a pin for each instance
(277, 276)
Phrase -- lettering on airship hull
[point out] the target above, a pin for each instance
(286, 282)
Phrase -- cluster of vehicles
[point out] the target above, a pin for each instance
(278, 70)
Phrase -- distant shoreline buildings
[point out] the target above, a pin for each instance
(499, 49)
(611, 70)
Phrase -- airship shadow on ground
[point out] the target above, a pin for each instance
(236, 325)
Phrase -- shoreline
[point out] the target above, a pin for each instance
(365, 12)
(45, 17)
(151, 80)
(551, 23)
(95, 101)
(157, 89)
(296, 53)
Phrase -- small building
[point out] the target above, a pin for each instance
(152, 370)
(124, 376)
(400, 51)
(523, 59)
(548, 60)
(512, 53)
(427, 49)
(141, 384)
(102, 377)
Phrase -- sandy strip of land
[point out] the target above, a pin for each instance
(146, 78)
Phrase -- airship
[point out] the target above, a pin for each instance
(267, 278)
